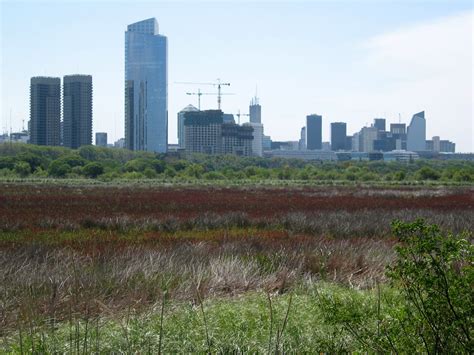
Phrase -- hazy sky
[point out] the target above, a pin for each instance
(346, 60)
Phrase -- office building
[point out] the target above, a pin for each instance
(314, 132)
(101, 139)
(207, 133)
(146, 87)
(45, 110)
(302, 143)
(338, 136)
(437, 145)
(257, 142)
(255, 111)
(181, 137)
(367, 136)
(416, 133)
(77, 110)
(379, 123)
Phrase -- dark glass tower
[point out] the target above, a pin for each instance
(314, 139)
(45, 110)
(77, 110)
(338, 136)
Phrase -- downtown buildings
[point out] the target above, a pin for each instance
(207, 133)
(77, 111)
(45, 110)
(46, 127)
(146, 87)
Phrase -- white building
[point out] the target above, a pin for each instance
(416, 133)
(181, 138)
(303, 154)
(257, 143)
(400, 155)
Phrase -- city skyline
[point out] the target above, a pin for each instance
(281, 122)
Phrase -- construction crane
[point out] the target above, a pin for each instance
(199, 94)
(241, 114)
(219, 85)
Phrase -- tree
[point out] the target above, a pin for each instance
(58, 168)
(22, 168)
(93, 170)
(435, 272)
(427, 173)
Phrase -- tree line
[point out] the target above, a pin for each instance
(30, 161)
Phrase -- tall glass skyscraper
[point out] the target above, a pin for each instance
(146, 87)
(416, 133)
(314, 130)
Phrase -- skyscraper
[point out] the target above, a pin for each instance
(416, 133)
(314, 132)
(379, 123)
(181, 136)
(45, 110)
(101, 139)
(77, 110)
(338, 136)
(146, 87)
(255, 111)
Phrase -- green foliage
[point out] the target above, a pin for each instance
(119, 163)
(427, 173)
(22, 168)
(435, 272)
(58, 168)
(93, 170)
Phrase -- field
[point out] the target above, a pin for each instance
(138, 268)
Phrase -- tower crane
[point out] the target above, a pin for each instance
(241, 114)
(217, 83)
(199, 94)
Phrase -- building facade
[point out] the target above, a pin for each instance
(257, 142)
(416, 133)
(181, 135)
(207, 133)
(314, 138)
(146, 87)
(77, 110)
(379, 123)
(338, 136)
(255, 111)
(45, 110)
(101, 139)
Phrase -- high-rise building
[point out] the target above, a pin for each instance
(398, 128)
(45, 110)
(146, 87)
(302, 142)
(255, 111)
(257, 142)
(438, 145)
(314, 138)
(77, 110)
(367, 136)
(338, 136)
(416, 133)
(101, 139)
(181, 136)
(379, 123)
(206, 132)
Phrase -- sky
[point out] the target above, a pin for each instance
(348, 61)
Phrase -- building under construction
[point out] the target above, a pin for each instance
(207, 133)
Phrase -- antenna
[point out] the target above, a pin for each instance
(399, 118)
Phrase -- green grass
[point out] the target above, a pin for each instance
(233, 324)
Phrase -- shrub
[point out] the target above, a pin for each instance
(93, 170)
(22, 168)
(435, 272)
(58, 168)
(427, 173)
